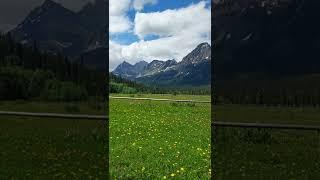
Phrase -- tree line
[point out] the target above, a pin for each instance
(293, 91)
(29, 73)
(125, 86)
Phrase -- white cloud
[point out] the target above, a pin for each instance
(118, 24)
(118, 7)
(180, 31)
(118, 20)
(115, 55)
(175, 47)
(194, 18)
(139, 4)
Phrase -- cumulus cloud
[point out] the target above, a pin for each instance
(118, 20)
(115, 54)
(175, 47)
(194, 18)
(179, 31)
(118, 24)
(118, 7)
(139, 4)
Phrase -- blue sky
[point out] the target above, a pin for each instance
(129, 37)
(155, 29)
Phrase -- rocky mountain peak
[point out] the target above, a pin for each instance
(58, 29)
(141, 63)
(125, 63)
(49, 3)
(204, 45)
(155, 63)
(43, 9)
(193, 70)
(200, 53)
(170, 62)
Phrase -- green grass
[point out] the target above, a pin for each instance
(157, 140)
(37, 148)
(167, 96)
(266, 153)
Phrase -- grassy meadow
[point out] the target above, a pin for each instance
(266, 153)
(38, 148)
(159, 140)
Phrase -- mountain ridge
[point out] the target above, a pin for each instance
(193, 69)
(266, 41)
(46, 24)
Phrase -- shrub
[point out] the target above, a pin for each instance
(13, 83)
(63, 91)
(72, 92)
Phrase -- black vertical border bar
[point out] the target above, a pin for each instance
(107, 84)
(213, 99)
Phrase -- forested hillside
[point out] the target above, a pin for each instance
(122, 85)
(29, 73)
(267, 52)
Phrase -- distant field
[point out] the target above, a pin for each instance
(167, 96)
(34, 148)
(159, 140)
(266, 153)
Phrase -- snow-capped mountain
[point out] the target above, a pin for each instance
(258, 39)
(58, 29)
(130, 71)
(194, 69)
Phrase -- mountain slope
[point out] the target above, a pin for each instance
(94, 18)
(96, 58)
(54, 27)
(261, 40)
(193, 70)
(94, 15)
(126, 70)
(58, 29)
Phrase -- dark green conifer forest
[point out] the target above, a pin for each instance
(29, 73)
